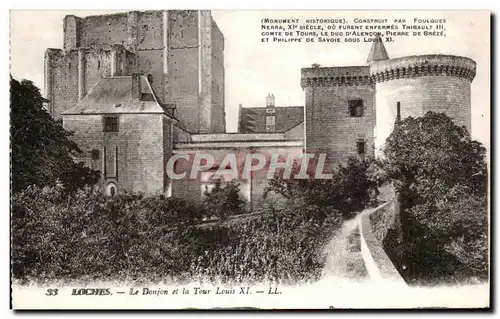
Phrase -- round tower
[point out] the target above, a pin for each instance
(413, 85)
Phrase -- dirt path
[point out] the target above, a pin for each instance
(343, 254)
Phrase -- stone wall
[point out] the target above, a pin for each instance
(140, 147)
(329, 126)
(61, 80)
(251, 190)
(437, 83)
(150, 50)
(69, 75)
(218, 80)
(71, 27)
(374, 225)
(183, 66)
(182, 51)
(96, 65)
(102, 31)
(196, 70)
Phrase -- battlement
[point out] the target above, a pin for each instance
(335, 76)
(116, 59)
(423, 65)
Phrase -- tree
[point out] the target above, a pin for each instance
(442, 179)
(42, 152)
(351, 189)
(430, 155)
(224, 200)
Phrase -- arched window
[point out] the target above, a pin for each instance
(150, 78)
(111, 189)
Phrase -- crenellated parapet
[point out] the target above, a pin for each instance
(335, 76)
(423, 65)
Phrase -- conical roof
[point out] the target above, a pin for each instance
(378, 51)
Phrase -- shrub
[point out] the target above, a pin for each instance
(129, 237)
(442, 181)
(450, 240)
(224, 201)
(352, 188)
(285, 246)
(169, 212)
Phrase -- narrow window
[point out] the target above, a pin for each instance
(116, 162)
(398, 111)
(361, 146)
(355, 108)
(110, 124)
(94, 154)
(104, 159)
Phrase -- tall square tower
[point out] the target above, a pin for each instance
(180, 51)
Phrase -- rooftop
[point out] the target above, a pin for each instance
(115, 95)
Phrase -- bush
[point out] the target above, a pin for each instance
(352, 188)
(442, 181)
(450, 240)
(170, 212)
(225, 200)
(128, 237)
(285, 247)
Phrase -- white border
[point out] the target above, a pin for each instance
(185, 4)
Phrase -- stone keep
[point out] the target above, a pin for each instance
(181, 51)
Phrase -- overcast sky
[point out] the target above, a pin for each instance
(254, 69)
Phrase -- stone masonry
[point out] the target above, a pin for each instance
(139, 87)
(387, 88)
(182, 52)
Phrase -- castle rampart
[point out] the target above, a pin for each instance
(335, 76)
(423, 65)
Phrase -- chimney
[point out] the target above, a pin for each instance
(136, 86)
(270, 100)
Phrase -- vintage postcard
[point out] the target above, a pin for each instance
(259, 159)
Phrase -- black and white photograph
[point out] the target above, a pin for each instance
(250, 159)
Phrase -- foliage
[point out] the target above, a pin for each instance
(130, 237)
(442, 181)
(451, 238)
(283, 246)
(431, 154)
(171, 211)
(352, 188)
(42, 152)
(225, 200)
